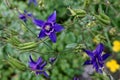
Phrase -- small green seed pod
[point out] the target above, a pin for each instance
(104, 16)
(16, 63)
(29, 45)
(86, 3)
(102, 20)
(26, 44)
(80, 12)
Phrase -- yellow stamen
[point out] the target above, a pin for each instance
(47, 27)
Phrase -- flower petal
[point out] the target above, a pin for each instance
(31, 60)
(41, 34)
(37, 22)
(39, 61)
(52, 60)
(88, 52)
(42, 72)
(35, 2)
(105, 56)
(99, 49)
(32, 1)
(99, 58)
(23, 17)
(99, 61)
(43, 64)
(76, 78)
(32, 65)
(95, 65)
(58, 28)
(53, 37)
(88, 62)
(45, 74)
(38, 72)
(52, 17)
(100, 71)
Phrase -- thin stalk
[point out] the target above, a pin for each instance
(83, 39)
(107, 37)
(37, 36)
(9, 5)
(108, 75)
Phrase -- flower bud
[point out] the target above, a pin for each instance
(52, 60)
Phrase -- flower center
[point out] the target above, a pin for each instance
(47, 27)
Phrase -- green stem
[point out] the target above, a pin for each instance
(107, 37)
(37, 36)
(108, 75)
(9, 5)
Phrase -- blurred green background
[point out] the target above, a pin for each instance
(82, 30)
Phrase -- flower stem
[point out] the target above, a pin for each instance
(9, 5)
(107, 37)
(37, 36)
(108, 75)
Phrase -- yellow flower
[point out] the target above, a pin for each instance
(116, 46)
(112, 65)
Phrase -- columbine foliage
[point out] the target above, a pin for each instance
(86, 24)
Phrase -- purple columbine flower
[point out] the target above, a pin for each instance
(76, 78)
(38, 66)
(52, 60)
(96, 57)
(32, 1)
(49, 27)
(24, 16)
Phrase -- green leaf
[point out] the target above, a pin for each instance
(72, 45)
